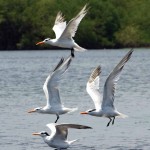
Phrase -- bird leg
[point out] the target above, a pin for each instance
(72, 52)
(57, 118)
(109, 121)
(113, 120)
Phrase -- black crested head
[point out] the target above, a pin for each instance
(92, 110)
(44, 133)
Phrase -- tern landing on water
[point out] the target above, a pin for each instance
(65, 33)
(59, 133)
(105, 107)
(54, 105)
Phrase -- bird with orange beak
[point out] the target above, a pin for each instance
(65, 32)
(59, 133)
(54, 104)
(104, 107)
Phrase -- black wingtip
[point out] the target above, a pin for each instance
(129, 54)
(132, 49)
(59, 64)
(87, 127)
(96, 72)
(99, 69)
(84, 127)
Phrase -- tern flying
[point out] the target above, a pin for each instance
(59, 133)
(65, 32)
(105, 107)
(54, 105)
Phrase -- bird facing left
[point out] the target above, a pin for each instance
(50, 87)
(65, 32)
(59, 132)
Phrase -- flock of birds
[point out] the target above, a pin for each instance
(104, 105)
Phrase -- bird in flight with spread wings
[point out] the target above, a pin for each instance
(54, 104)
(104, 107)
(59, 133)
(65, 32)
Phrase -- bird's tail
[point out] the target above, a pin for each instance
(122, 115)
(73, 109)
(78, 48)
(70, 142)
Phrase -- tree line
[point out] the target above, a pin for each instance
(108, 24)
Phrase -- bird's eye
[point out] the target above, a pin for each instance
(46, 40)
(39, 108)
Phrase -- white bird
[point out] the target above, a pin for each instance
(104, 107)
(59, 133)
(54, 105)
(65, 33)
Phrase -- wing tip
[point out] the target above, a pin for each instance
(129, 54)
(96, 72)
(86, 7)
(59, 64)
(124, 60)
(85, 127)
(59, 17)
(84, 10)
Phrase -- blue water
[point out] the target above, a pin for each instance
(22, 75)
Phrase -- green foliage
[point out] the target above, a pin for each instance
(108, 24)
(129, 36)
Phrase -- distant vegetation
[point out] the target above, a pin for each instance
(108, 24)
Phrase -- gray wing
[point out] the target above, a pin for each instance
(61, 130)
(92, 87)
(59, 25)
(110, 84)
(52, 82)
(73, 24)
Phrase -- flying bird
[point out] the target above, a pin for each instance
(54, 104)
(59, 133)
(65, 32)
(104, 107)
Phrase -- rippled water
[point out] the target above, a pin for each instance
(22, 75)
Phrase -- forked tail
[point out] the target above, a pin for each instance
(70, 142)
(122, 115)
(78, 48)
(72, 110)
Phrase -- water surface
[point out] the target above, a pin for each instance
(22, 75)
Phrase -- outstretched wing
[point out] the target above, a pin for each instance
(92, 87)
(60, 131)
(59, 25)
(110, 84)
(52, 82)
(73, 24)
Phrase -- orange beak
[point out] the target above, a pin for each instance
(35, 133)
(40, 43)
(83, 113)
(31, 111)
